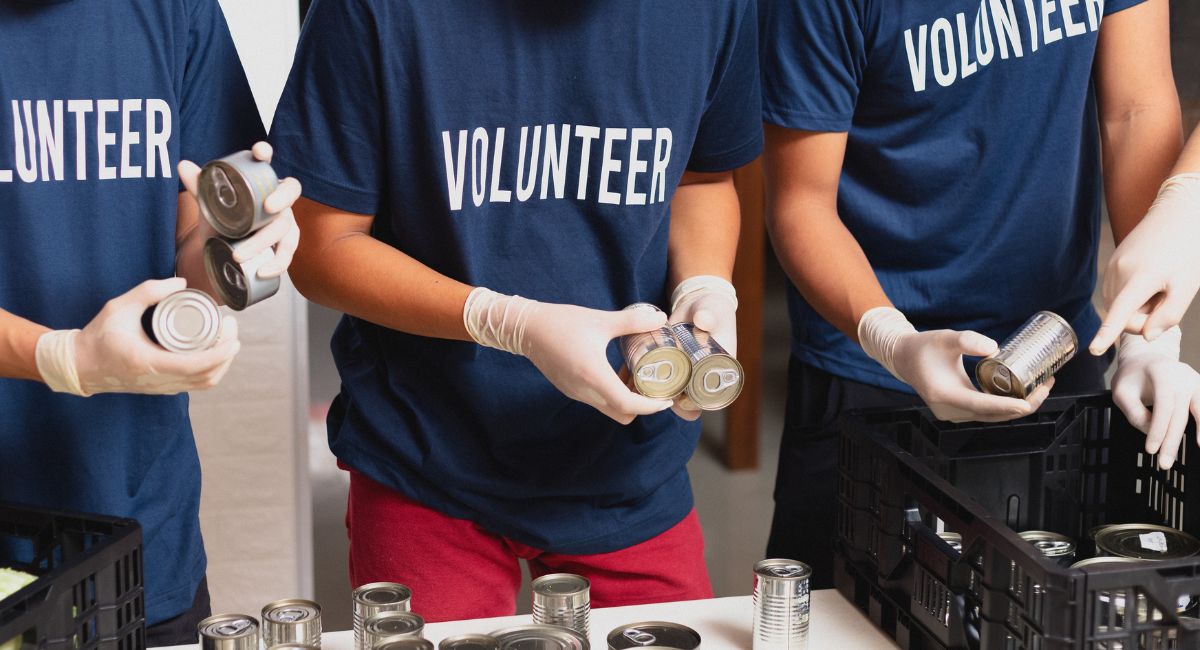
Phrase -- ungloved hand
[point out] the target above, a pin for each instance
(281, 234)
(710, 303)
(1149, 373)
(1153, 276)
(567, 344)
(112, 354)
(932, 364)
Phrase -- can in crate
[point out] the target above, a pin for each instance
(231, 193)
(228, 632)
(404, 644)
(781, 604)
(1145, 542)
(376, 598)
(293, 620)
(540, 637)
(717, 377)
(659, 367)
(953, 539)
(1184, 604)
(562, 599)
(391, 626)
(656, 634)
(237, 282)
(185, 321)
(470, 642)
(1058, 548)
(1029, 358)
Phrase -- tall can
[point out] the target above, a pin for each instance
(470, 642)
(237, 282)
(660, 369)
(390, 626)
(1029, 358)
(540, 637)
(781, 604)
(185, 321)
(377, 598)
(293, 620)
(562, 599)
(228, 632)
(717, 377)
(231, 193)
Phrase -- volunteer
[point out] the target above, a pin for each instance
(933, 181)
(100, 102)
(487, 186)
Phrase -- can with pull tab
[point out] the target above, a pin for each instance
(717, 377)
(1029, 358)
(660, 369)
(231, 193)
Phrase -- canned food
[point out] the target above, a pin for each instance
(660, 369)
(1040, 348)
(293, 620)
(228, 632)
(390, 626)
(540, 637)
(231, 193)
(562, 599)
(376, 598)
(1058, 548)
(404, 644)
(953, 539)
(657, 634)
(1106, 598)
(1145, 542)
(185, 321)
(293, 646)
(236, 282)
(717, 378)
(781, 604)
(470, 642)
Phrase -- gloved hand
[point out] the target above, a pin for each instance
(710, 303)
(567, 344)
(112, 354)
(282, 234)
(932, 363)
(1153, 276)
(1149, 373)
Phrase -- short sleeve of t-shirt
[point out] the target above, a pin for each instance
(730, 132)
(813, 54)
(1113, 6)
(327, 127)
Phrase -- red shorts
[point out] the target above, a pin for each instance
(458, 570)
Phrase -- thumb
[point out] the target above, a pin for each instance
(189, 173)
(704, 319)
(975, 344)
(636, 321)
(151, 292)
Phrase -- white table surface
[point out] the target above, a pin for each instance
(723, 624)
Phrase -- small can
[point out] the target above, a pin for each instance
(1029, 358)
(293, 646)
(231, 193)
(781, 604)
(1056, 547)
(404, 644)
(228, 632)
(717, 378)
(562, 599)
(390, 626)
(657, 634)
(1145, 542)
(376, 598)
(293, 620)
(237, 282)
(659, 367)
(185, 321)
(470, 642)
(953, 539)
(540, 637)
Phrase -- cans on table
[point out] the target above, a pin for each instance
(390, 626)
(293, 620)
(470, 642)
(1030, 357)
(1059, 548)
(236, 282)
(1145, 542)
(231, 193)
(293, 646)
(562, 599)
(781, 604)
(540, 637)
(717, 378)
(185, 321)
(660, 369)
(228, 632)
(656, 634)
(404, 644)
(376, 598)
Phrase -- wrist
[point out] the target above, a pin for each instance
(1135, 346)
(695, 285)
(56, 362)
(498, 321)
(880, 330)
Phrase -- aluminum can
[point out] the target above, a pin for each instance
(376, 598)
(185, 321)
(404, 644)
(237, 282)
(391, 626)
(1059, 548)
(292, 620)
(953, 539)
(540, 637)
(653, 634)
(228, 632)
(781, 604)
(562, 599)
(1029, 358)
(293, 646)
(470, 642)
(1145, 542)
(660, 369)
(717, 377)
(231, 193)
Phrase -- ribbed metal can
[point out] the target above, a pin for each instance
(237, 282)
(376, 598)
(563, 599)
(392, 626)
(717, 377)
(293, 620)
(231, 193)
(185, 321)
(540, 637)
(1055, 546)
(657, 365)
(228, 632)
(470, 642)
(781, 604)
(1029, 358)
(653, 634)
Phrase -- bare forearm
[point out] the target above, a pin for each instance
(18, 345)
(705, 224)
(1140, 148)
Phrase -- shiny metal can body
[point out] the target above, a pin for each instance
(470, 642)
(237, 282)
(562, 599)
(660, 369)
(540, 637)
(376, 598)
(1145, 542)
(1030, 357)
(293, 646)
(185, 321)
(391, 626)
(293, 620)
(653, 634)
(405, 643)
(1056, 547)
(953, 539)
(228, 632)
(781, 604)
(717, 377)
(231, 192)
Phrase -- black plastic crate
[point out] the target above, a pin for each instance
(89, 588)
(1074, 465)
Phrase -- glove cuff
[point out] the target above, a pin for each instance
(1166, 345)
(879, 330)
(55, 353)
(498, 321)
(703, 284)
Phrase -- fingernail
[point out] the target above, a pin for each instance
(267, 273)
(1166, 462)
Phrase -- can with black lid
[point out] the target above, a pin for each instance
(185, 321)
(562, 599)
(656, 634)
(236, 282)
(470, 642)
(540, 637)
(375, 598)
(390, 626)
(228, 632)
(293, 620)
(232, 192)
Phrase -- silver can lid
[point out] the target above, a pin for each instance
(540, 637)
(470, 642)
(1146, 542)
(645, 306)
(1049, 543)
(781, 569)
(382, 593)
(561, 585)
(387, 624)
(404, 644)
(656, 634)
(953, 539)
(226, 274)
(186, 321)
(228, 626)
(291, 610)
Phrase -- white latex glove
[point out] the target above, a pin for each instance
(281, 234)
(1153, 275)
(710, 303)
(112, 354)
(932, 363)
(1149, 373)
(567, 344)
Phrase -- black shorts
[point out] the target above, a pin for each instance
(181, 630)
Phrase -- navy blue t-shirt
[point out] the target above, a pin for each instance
(972, 171)
(99, 100)
(532, 147)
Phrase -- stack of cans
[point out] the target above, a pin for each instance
(470, 642)
(291, 621)
(653, 634)
(377, 598)
(185, 321)
(1029, 358)
(540, 637)
(391, 626)
(562, 599)
(228, 632)
(781, 604)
